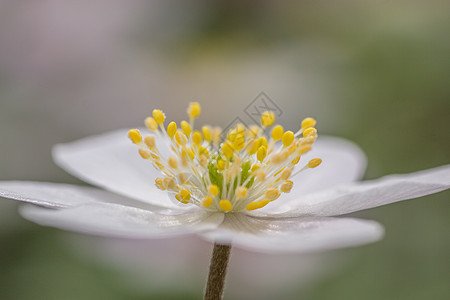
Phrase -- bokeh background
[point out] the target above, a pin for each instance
(375, 72)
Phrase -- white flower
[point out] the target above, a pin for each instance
(263, 208)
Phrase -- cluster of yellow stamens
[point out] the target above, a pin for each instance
(245, 171)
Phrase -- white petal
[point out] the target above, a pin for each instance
(111, 161)
(342, 162)
(58, 195)
(354, 197)
(304, 234)
(46, 194)
(116, 220)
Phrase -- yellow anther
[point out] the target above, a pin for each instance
(286, 186)
(180, 138)
(171, 129)
(151, 124)
(272, 194)
(291, 149)
(216, 135)
(173, 162)
(240, 129)
(277, 132)
(213, 190)
(233, 172)
(257, 204)
(159, 165)
(241, 192)
(288, 138)
(225, 205)
(314, 162)
(150, 141)
(252, 147)
(295, 160)
(253, 131)
(227, 149)
(255, 168)
(220, 165)
(197, 138)
(203, 151)
(260, 175)
(203, 160)
(207, 201)
(186, 151)
(286, 174)
(267, 118)
(194, 110)
(311, 131)
(183, 177)
(145, 154)
(169, 183)
(207, 133)
(159, 116)
(183, 196)
(262, 141)
(305, 148)
(135, 136)
(239, 142)
(281, 157)
(231, 134)
(159, 184)
(261, 153)
(186, 128)
(308, 122)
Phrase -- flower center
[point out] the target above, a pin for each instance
(242, 169)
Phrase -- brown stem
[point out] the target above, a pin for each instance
(217, 272)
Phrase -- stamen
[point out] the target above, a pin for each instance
(186, 128)
(207, 201)
(286, 186)
(151, 124)
(314, 162)
(206, 133)
(158, 116)
(311, 131)
(272, 194)
(171, 129)
(145, 154)
(267, 119)
(261, 153)
(241, 192)
(150, 141)
(173, 162)
(135, 136)
(277, 132)
(194, 110)
(308, 122)
(288, 138)
(225, 205)
(183, 196)
(197, 138)
(245, 172)
(257, 205)
(159, 184)
(181, 138)
(213, 190)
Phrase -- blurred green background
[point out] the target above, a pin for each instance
(375, 72)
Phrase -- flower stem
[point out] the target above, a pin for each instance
(217, 271)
